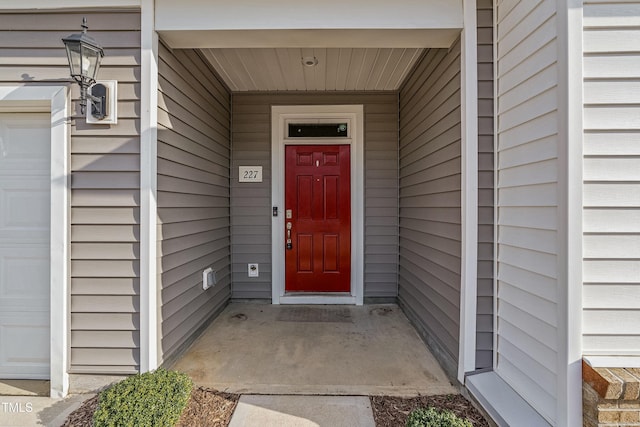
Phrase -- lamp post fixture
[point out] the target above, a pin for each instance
(84, 55)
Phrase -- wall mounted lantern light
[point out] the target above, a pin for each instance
(84, 55)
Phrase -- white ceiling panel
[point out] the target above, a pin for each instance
(338, 69)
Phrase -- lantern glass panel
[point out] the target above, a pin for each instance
(75, 58)
(90, 62)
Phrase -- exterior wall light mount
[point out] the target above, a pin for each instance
(84, 55)
(309, 61)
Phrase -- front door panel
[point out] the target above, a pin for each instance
(318, 218)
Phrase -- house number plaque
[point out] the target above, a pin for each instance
(250, 174)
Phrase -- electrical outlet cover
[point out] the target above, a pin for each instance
(253, 270)
(208, 278)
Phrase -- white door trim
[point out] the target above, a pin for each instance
(54, 100)
(279, 117)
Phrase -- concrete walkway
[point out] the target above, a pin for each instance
(252, 411)
(23, 411)
(314, 350)
(303, 411)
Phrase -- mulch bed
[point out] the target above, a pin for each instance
(389, 411)
(83, 415)
(211, 408)
(206, 408)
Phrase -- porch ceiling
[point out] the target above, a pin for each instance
(361, 45)
(337, 69)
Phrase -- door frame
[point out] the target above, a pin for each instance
(56, 101)
(280, 116)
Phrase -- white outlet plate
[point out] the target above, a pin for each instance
(252, 269)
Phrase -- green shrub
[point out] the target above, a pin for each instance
(431, 417)
(150, 399)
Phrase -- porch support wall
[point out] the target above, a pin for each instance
(538, 167)
(430, 201)
(194, 152)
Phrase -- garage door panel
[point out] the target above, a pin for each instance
(25, 204)
(25, 182)
(25, 278)
(24, 141)
(27, 353)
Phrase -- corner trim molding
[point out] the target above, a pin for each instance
(469, 153)
(149, 306)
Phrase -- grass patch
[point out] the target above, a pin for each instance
(150, 399)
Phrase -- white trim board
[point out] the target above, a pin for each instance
(503, 404)
(469, 152)
(149, 313)
(570, 185)
(53, 99)
(279, 117)
(613, 361)
(66, 4)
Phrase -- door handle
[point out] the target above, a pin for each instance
(289, 244)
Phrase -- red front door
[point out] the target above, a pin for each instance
(318, 218)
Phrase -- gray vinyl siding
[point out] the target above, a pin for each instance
(251, 203)
(193, 194)
(529, 207)
(105, 247)
(430, 198)
(611, 192)
(484, 321)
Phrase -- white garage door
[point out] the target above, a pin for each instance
(24, 244)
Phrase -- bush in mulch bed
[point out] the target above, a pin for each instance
(431, 417)
(151, 399)
(389, 411)
(204, 407)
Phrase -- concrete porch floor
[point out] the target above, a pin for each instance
(325, 350)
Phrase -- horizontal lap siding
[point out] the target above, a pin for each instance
(430, 196)
(611, 222)
(251, 210)
(105, 195)
(527, 202)
(193, 193)
(484, 324)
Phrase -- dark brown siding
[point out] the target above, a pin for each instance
(251, 205)
(193, 194)
(430, 194)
